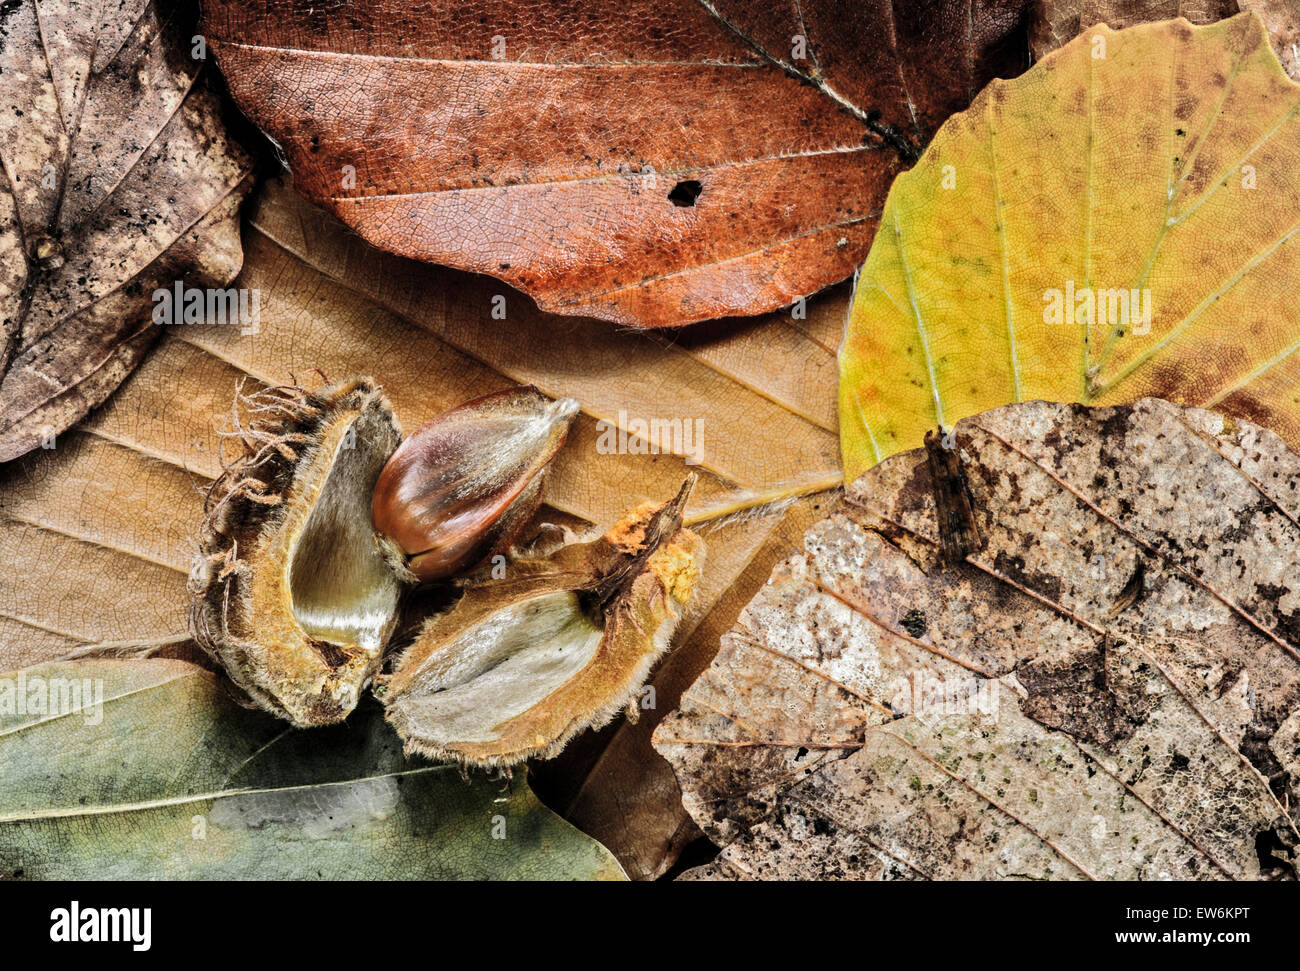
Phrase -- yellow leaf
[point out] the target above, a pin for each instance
(1145, 168)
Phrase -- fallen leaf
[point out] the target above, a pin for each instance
(132, 770)
(1281, 18)
(1059, 21)
(1109, 688)
(118, 178)
(651, 163)
(1158, 178)
(100, 532)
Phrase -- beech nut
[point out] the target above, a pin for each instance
(465, 484)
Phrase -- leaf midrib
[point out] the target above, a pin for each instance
(149, 805)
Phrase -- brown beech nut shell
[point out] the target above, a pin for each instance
(563, 642)
(465, 484)
(291, 594)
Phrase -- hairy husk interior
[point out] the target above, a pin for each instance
(520, 665)
(292, 594)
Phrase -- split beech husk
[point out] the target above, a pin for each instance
(519, 665)
(293, 595)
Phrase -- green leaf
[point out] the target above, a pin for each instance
(150, 769)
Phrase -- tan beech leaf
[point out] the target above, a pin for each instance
(99, 533)
(652, 162)
(1107, 686)
(118, 178)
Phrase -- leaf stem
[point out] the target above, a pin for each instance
(756, 500)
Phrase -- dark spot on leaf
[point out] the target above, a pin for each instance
(914, 623)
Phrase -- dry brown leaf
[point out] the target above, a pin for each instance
(100, 532)
(118, 178)
(651, 162)
(1109, 688)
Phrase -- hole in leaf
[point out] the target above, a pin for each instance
(685, 193)
(1272, 853)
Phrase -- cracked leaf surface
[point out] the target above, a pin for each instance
(116, 177)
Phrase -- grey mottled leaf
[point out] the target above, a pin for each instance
(117, 178)
(1109, 688)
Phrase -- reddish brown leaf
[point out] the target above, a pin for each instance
(648, 162)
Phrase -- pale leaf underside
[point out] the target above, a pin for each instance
(149, 769)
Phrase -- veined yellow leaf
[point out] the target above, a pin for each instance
(1120, 221)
